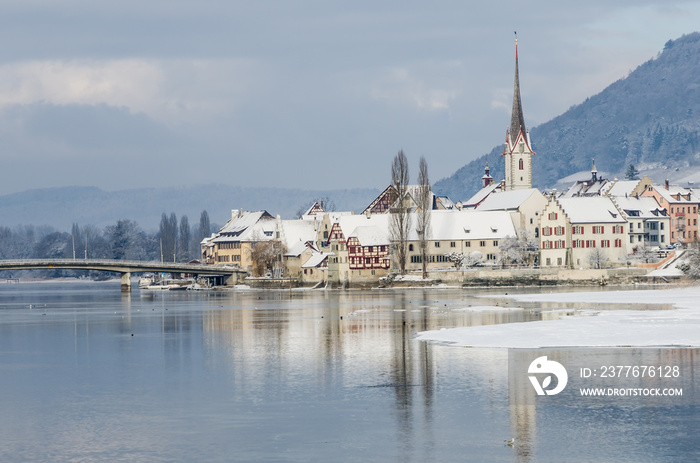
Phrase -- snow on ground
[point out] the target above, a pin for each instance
(680, 327)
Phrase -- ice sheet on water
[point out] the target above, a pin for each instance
(604, 328)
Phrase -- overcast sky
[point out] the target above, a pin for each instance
(301, 94)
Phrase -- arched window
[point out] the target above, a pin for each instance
(520, 163)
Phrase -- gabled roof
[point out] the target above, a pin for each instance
(316, 260)
(249, 226)
(620, 187)
(314, 209)
(672, 194)
(349, 223)
(481, 195)
(466, 225)
(507, 200)
(295, 232)
(371, 235)
(644, 207)
(383, 202)
(591, 209)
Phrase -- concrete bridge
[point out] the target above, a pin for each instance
(127, 267)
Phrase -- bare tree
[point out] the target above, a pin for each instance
(400, 218)
(266, 255)
(597, 258)
(425, 205)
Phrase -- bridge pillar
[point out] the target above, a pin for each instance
(126, 281)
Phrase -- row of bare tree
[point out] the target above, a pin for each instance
(401, 211)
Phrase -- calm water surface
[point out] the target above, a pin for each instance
(90, 374)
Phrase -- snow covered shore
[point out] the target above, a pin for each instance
(636, 328)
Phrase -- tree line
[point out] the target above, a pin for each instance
(175, 241)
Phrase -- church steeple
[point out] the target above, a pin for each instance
(517, 152)
(517, 121)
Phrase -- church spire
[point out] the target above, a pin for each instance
(517, 121)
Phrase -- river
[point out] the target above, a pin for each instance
(88, 373)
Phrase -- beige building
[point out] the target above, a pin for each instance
(582, 232)
(469, 232)
(524, 206)
(233, 243)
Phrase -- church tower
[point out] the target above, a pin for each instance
(517, 153)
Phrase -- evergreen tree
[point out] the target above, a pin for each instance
(632, 173)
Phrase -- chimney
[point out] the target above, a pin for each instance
(666, 184)
(235, 213)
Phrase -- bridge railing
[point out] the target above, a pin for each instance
(181, 266)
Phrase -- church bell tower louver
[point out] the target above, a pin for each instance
(517, 152)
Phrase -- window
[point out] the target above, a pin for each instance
(553, 216)
(577, 230)
(453, 244)
(521, 166)
(437, 244)
(495, 243)
(618, 243)
(598, 229)
(467, 244)
(549, 261)
(604, 243)
(410, 247)
(416, 259)
(482, 243)
(559, 261)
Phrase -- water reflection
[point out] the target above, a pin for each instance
(280, 376)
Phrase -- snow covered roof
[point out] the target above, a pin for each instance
(349, 223)
(480, 195)
(507, 200)
(643, 206)
(672, 194)
(371, 235)
(445, 201)
(591, 209)
(315, 260)
(620, 187)
(586, 188)
(466, 225)
(248, 226)
(294, 233)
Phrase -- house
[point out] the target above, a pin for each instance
(466, 231)
(302, 259)
(582, 232)
(359, 246)
(649, 223)
(524, 206)
(682, 204)
(234, 242)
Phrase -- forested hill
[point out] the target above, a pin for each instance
(650, 119)
(61, 207)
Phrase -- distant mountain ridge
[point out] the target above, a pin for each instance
(650, 119)
(61, 207)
